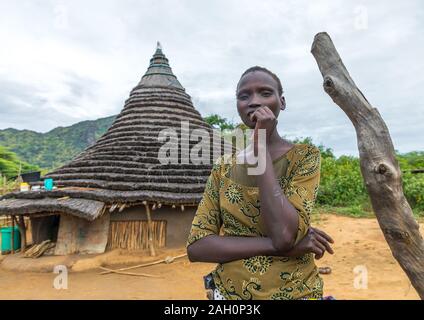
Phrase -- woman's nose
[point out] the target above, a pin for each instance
(255, 102)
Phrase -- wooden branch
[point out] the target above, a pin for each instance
(167, 260)
(379, 167)
(130, 273)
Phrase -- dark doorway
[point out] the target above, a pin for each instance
(45, 228)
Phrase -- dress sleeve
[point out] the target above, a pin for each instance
(207, 219)
(302, 188)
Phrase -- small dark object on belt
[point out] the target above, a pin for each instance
(209, 286)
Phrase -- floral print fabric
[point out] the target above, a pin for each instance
(231, 208)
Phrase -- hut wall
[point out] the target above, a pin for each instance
(134, 234)
(78, 235)
(178, 223)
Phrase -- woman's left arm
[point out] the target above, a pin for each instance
(286, 220)
(280, 216)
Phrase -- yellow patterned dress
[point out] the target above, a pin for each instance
(230, 206)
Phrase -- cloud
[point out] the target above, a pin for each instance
(63, 62)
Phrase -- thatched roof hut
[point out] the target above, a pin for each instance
(122, 169)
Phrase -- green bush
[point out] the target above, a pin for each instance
(11, 166)
(341, 182)
(413, 188)
(342, 185)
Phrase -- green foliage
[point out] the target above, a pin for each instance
(413, 188)
(357, 211)
(342, 187)
(11, 166)
(411, 160)
(217, 121)
(413, 184)
(56, 147)
(341, 182)
(325, 152)
(7, 186)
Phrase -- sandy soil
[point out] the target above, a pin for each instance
(359, 242)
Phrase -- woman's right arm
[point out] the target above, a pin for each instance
(222, 249)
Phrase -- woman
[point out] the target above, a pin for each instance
(266, 246)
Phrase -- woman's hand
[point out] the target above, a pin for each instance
(316, 241)
(265, 119)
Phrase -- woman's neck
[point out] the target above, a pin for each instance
(275, 138)
(277, 144)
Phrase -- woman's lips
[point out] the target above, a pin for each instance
(249, 115)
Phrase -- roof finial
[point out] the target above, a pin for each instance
(159, 72)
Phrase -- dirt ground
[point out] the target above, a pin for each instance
(358, 242)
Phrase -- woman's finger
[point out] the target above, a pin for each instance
(317, 251)
(268, 113)
(262, 113)
(257, 115)
(267, 110)
(325, 235)
(320, 248)
(253, 115)
(319, 244)
(324, 242)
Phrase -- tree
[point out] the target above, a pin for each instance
(379, 167)
(11, 165)
(217, 121)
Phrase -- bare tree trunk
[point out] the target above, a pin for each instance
(379, 166)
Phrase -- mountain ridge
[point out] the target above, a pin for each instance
(54, 148)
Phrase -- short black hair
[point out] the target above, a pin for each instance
(273, 75)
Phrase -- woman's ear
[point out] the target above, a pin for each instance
(283, 103)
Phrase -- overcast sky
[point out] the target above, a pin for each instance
(62, 62)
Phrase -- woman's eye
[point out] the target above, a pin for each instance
(266, 93)
(243, 97)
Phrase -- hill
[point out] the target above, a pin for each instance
(54, 148)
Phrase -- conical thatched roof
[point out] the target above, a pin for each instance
(123, 165)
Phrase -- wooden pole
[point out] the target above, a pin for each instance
(12, 241)
(22, 230)
(150, 231)
(379, 167)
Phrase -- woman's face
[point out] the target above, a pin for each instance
(257, 89)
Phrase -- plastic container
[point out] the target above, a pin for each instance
(48, 184)
(24, 187)
(6, 239)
